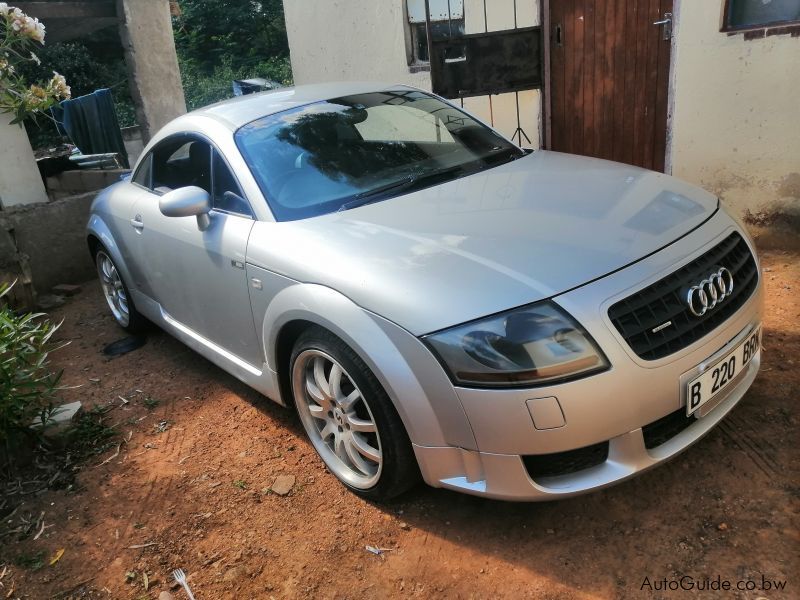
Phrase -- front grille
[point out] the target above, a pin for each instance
(636, 316)
(564, 463)
(666, 428)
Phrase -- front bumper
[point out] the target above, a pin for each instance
(617, 409)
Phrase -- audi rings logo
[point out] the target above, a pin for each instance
(708, 293)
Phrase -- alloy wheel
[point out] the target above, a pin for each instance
(337, 418)
(113, 289)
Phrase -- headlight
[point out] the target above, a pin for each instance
(531, 345)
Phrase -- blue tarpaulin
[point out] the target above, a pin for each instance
(91, 123)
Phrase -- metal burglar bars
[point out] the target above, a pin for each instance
(483, 64)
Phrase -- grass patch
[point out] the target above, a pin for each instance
(90, 435)
(33, 561)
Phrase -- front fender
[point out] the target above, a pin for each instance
(413, 380)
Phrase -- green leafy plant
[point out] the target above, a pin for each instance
(33, 561)
(202, 87)
(19, 36)
(27, 382)
(89, 434)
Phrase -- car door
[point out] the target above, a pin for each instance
(198, 277)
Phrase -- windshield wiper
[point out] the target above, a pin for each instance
(367, 196)
(372, 195)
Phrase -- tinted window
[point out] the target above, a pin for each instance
(342, 152)
(227, 194)
(142, 175)
(182, 162)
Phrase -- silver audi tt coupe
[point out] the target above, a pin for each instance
(431, 298)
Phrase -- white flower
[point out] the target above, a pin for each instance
(29, 26)
(3, 8)
(59, 86)
(35, 59)
(6, 66)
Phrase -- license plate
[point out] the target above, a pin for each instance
(716, 378)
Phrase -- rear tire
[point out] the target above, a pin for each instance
(117, 295)
(349, 418)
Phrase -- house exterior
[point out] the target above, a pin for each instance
(705, 90)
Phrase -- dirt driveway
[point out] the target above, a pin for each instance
(190, 489)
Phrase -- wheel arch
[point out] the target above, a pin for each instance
(284, 344)
(99, 235)
(375, 340)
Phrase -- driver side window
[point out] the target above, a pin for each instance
(183, 161)
(180, 163)
(227, 195)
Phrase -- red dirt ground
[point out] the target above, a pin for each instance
(198, 492)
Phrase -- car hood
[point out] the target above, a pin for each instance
(514, 234)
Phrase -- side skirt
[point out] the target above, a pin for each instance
(261, 379)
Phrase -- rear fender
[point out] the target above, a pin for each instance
(98, 228)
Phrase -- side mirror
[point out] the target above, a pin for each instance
(190, 201)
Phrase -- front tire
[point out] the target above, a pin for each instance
(117, 295)
(349, 418)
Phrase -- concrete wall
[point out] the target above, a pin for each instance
(132, 138)
(735, 118)
(20, 181)
(53, 236)
(80, 181)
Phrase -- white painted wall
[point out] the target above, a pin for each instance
(349, 40)
(20, 182)
(736, 112)
(364, 40)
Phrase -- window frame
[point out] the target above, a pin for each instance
(189, 135)
(726, 27)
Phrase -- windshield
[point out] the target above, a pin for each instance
(345, 152)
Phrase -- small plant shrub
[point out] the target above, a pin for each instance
(28, 384)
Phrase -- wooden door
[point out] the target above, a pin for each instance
(609, 74)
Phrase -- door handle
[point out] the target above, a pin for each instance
(667, 23)
(137, 223)
(559, 35)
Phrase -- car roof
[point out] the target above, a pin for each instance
(244, 109)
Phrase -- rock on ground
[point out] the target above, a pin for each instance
(283, 484)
